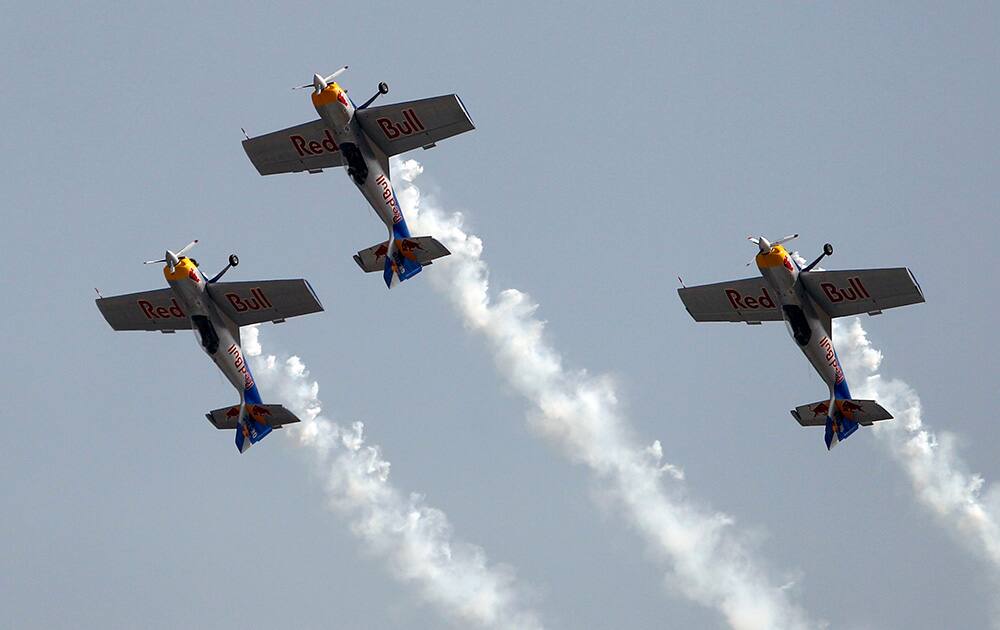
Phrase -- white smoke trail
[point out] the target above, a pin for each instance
(710, 563)
(416, 539)
(940, 477)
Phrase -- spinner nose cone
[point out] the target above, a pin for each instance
(764, 245)
(172, 259)
(319, 83)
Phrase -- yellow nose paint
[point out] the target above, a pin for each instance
(775, 258)
(183, 270)
(330, 95)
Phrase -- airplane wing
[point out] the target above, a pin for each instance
(402, 127)
(146, 310)
(266, 301)
(306, 147)
(852, 292)
(748, 300)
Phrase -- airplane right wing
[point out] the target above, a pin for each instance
(264, 301)
(405, 126)
(306, 147)
(853, 292)
(748, 300)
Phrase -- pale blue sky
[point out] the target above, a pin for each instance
(617, 146)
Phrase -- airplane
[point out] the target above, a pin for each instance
(362, 139)
(807, 300)
(216, 311)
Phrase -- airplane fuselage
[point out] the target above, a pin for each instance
(808, 325)
(363, 161)
(217, 335)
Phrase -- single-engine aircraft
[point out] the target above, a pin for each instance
(216, 310)
(362, 139)
(807, 301)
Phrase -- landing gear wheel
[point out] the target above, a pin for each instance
(234, 260)
(828, 249)
(383, 88)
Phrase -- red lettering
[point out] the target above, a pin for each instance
(862, 291)
(300, 145)
(328, 142)
(765, 299)
(162, 312)
(315, 147)
(175, 309)
(236, 302)
(831, 292)
(147, 309)
(411, 115)
(388, 128)
(750, 302)
(734, 298)
(263, 298)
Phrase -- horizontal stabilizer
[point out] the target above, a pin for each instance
(275, 416)
(420, 249)
(864, 412)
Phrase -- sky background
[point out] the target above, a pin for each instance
(617, 147)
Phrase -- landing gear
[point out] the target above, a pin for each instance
(383, 88)
(827, 251)
(233, 260)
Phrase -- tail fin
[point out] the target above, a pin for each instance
(400, 259)
(252, 422)
(847, 416)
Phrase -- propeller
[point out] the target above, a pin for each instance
(171, 258)
(319, 83)
(766, 245)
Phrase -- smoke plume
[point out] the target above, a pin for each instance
(416, 539)
(940, 478)
(708, 560)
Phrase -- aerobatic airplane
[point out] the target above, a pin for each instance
(807, 301)
(362, 139)
(216, 310)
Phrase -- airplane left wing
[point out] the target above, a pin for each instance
(402, 127)
(306, 147)
(852, 292)
(748, 300)
(266, 301)
(146, 310)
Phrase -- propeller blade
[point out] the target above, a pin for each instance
(153, 262)
(785, 239)
(335, 74)
(753, 239)
(187, 247)
(302, 87)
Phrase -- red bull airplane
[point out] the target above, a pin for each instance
(807, 301)
(362, 139)
(216, 310)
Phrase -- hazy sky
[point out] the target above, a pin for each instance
(616, 148)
